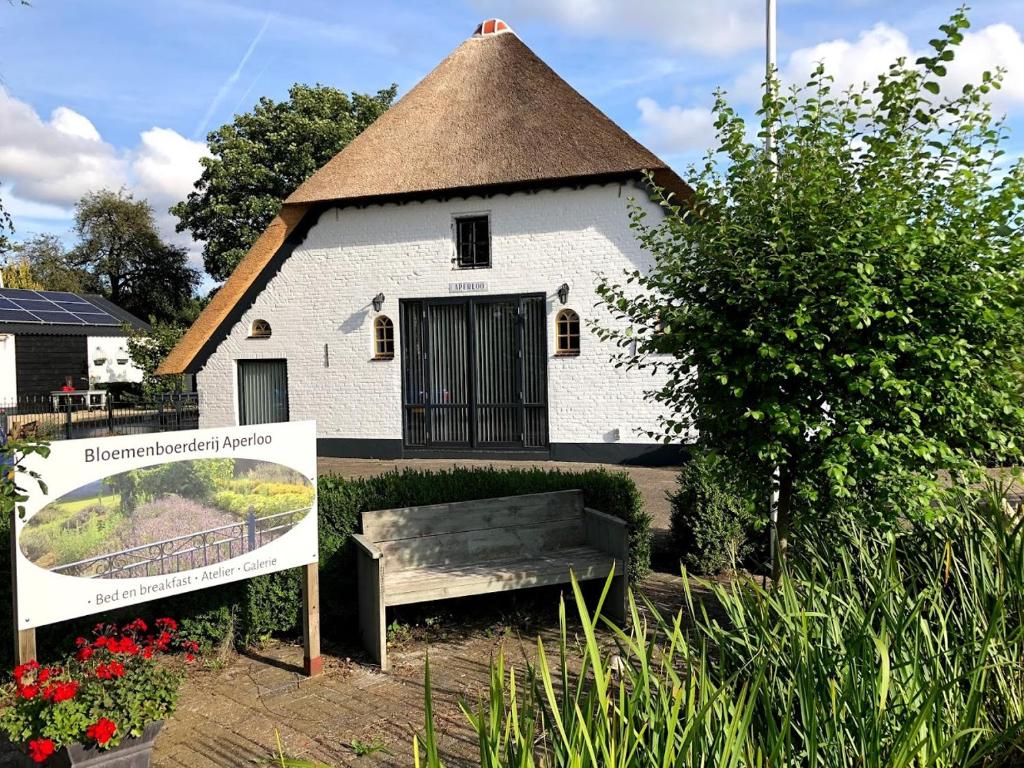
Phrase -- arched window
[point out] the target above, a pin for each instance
(383, 338)
(260, 330)
(567, 333)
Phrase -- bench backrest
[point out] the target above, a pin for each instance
(467, 532)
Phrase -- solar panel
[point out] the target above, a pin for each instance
(16, 316)
(51, 307)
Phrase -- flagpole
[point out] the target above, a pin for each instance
(770, 55)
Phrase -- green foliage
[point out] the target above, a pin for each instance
(15, 478)
(18, 274)
(852, 309)
(714, 522)
(259, 158)
(887, 649)
(197, 479)
(43, 261)
(147, 349)
(119, 246)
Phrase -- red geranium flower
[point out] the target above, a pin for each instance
(28, 691)
(84, 654)
(60, 691)
(101, 641)
(44, 675)
(23, 669)
(40, 749)
(101, 731)
(168, 624)
(80, 641)
(136, 626)
(110, 671)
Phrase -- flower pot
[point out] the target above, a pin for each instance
(130, 753)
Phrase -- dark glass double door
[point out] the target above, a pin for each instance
(474, 372)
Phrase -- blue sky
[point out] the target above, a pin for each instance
(122, 92)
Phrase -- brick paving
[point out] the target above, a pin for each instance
(230, 715)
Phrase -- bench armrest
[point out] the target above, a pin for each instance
(608, 534)
(368, 548)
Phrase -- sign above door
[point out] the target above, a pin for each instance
(468, 287)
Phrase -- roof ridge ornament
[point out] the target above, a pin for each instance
(491, 27)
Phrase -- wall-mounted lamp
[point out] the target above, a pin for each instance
(563, 292)
(378, 302)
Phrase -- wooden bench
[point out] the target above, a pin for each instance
(419, 554)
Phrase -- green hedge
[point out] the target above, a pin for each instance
(265, 605)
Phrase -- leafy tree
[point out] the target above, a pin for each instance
(120, 247)
(849, 314)
(259, 158)
(147, 349)
(47, 263)
(18, 274)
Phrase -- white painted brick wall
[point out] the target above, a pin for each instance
(322, 296)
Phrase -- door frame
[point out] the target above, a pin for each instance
(471, 300)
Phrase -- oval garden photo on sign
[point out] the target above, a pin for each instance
(167, 518)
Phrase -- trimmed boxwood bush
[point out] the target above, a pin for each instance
(714, 522)
(250, 610)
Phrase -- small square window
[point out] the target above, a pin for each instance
(472, 242)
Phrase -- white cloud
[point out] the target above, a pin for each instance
(73, 124)
(166, 165)
(674, 129)
(717, 27)
(998, 45)
(47, 165)
(859, 61)
(53, 161)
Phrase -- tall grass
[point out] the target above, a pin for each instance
(874, 651)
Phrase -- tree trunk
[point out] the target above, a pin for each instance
(782, 522)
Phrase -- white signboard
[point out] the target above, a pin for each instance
(132, 519)
(468, 287)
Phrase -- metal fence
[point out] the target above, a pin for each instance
(54, 418)
(192, 550)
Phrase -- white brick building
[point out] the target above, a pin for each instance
(430, 290)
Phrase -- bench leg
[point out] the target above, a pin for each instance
(372, 626)
(617, 602)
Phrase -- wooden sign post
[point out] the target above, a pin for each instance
(312, 661)
(24, 639)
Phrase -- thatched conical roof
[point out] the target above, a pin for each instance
(490, 116)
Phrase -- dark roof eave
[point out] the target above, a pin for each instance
(509, 188)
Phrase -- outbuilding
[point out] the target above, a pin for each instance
(54, 339)
(430, 290)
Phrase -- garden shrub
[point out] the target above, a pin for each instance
(714, 518)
